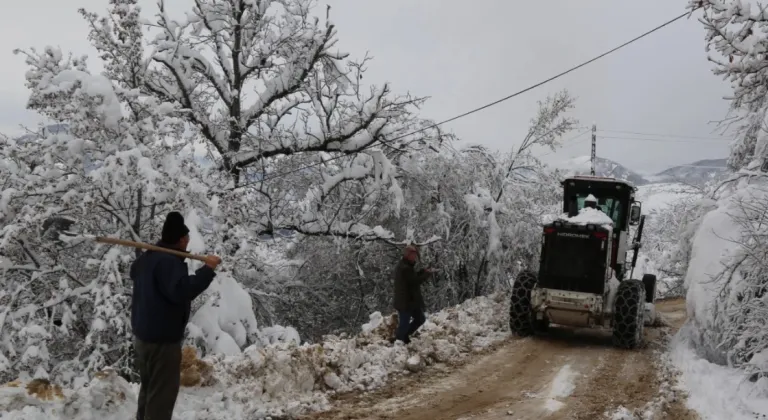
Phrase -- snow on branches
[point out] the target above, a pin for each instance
(271, 100)
(484, 205)
(516, 176)
(242, 114)
(726, 275)
(507, 193)
(736, 31)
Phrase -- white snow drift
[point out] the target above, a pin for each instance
(725, 262)
(726, 333)
(285, 378)
(717, 392)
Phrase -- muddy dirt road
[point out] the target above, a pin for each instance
(564, 375)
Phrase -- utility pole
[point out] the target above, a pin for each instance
(594, 148)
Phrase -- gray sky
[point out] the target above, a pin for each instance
(464, 56)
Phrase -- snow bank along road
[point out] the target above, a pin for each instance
(565, 375)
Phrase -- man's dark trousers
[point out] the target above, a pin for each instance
(406, 327)
(159, 366)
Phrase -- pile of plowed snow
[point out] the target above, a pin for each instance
(284, 379)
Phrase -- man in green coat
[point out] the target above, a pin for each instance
(408, 300)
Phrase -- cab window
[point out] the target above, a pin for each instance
(609, 205)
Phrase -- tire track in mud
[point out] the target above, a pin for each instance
(516, 381)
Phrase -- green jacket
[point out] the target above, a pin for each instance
(407, 293)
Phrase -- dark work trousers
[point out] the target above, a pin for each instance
(159, 367)
(409, 322)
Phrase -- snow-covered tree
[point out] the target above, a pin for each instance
(742, 304)
(726, 273)
(667, 237)
(723, 237)
(485, 206)
(241, 113)
(736, 32)
(515, 177)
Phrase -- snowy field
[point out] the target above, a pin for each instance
(282, 380)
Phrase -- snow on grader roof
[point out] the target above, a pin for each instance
(589, 216)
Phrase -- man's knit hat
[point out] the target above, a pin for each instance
(174, 228)
(411, 248)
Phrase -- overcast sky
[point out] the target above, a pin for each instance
(463, 56)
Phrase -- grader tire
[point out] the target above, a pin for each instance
(629, 314)
(521, 320)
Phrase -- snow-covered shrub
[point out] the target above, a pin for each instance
(241, 114)
(225, 320)
(667, 240)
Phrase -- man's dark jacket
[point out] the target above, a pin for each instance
(163, 292)
(408, 282)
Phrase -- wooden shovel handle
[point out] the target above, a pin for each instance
(148, 247)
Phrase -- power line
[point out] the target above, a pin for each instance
(575, 143)
(563, 144)
(664, 135)
(565, 72)
(486, 106)
(665, 140)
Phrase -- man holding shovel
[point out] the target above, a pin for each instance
(162, 294)
(408, 300)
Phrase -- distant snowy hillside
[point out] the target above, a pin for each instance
(605, 167)
(696, 173)
(657, 197)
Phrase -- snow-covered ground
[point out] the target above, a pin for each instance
(283, 379)
(717, 392)
(562, 387)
